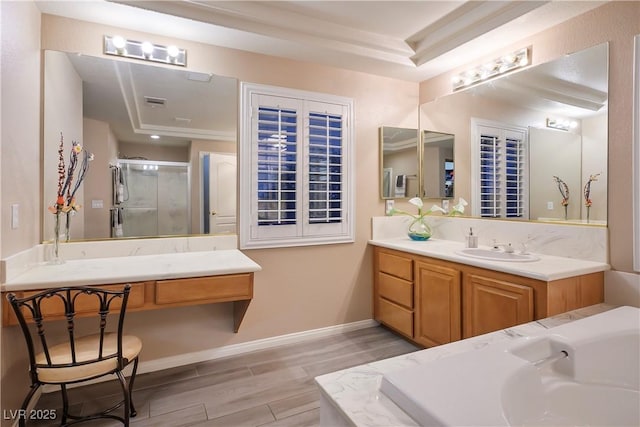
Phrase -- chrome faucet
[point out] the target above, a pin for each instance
(505, 246)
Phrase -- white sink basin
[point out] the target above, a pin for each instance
(496, 255)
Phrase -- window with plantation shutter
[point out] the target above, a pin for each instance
(276, 147)
(500, 171)
(296, 168)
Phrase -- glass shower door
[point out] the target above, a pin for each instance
(156, 198)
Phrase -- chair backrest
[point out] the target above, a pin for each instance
(38, 308)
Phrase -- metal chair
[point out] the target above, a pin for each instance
(78, 359)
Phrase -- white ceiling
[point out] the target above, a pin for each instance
(411, 40)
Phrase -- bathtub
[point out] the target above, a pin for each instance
(582, 373)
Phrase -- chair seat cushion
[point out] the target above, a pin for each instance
(86, 349)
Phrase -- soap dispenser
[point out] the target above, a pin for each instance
(472, 240)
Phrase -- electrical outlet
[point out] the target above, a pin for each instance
(550, 206)
(97, 204)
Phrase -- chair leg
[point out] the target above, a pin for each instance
(22, 422)
(127, 400)
(65, 404)
(131, 380)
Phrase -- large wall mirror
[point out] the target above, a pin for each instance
(556, 115)
(437, 165)
(164, 141)
(415, 163)
(399, 154)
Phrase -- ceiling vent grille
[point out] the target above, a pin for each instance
(152, 101)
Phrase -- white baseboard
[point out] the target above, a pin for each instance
(234, 350)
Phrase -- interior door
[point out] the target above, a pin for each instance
(222, 193)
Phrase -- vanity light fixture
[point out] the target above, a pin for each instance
(504, 64)
(147, 51)
(561, 124)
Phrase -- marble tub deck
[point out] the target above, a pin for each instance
(352, 396)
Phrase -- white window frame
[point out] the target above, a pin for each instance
(476, 201)
(302, 233)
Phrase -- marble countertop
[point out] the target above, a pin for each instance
(124, 269)
(355, 392)
(548, 268)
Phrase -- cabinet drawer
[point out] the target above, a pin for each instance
(396, 265)
(232, 287)
(84, 304)
(396, 290)
(396, 317)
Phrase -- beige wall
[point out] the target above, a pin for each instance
(617, 23)
(404, 162)
(165, 153)
(62, 113)
(594, 161)
(21, 125)
(20, 147)
(554, 153)
(98, 139)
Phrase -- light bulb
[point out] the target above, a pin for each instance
(147, 49)
(118, 42)
(173, 51)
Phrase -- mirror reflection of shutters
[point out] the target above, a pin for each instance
(277, 146)
(503, 173)
(514, 176)
(490, 195)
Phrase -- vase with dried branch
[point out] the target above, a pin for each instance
(564, 191)
(69, 180)
(587, 193)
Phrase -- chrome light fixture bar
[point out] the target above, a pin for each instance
(504, 64)
(146, 51)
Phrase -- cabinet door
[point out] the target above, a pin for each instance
(437, 304)
(491, 304)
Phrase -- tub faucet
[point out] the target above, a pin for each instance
(505, 246)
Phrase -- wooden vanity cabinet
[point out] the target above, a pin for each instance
(433, 302)
(491, 304)
(153, 295)
(394, 288)
(438, 294)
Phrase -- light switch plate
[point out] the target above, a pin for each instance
(388, 206)
(15, 216)
(97, 204)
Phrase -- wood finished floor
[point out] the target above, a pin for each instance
(272, 387)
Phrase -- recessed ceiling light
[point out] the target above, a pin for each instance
(155, 136)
